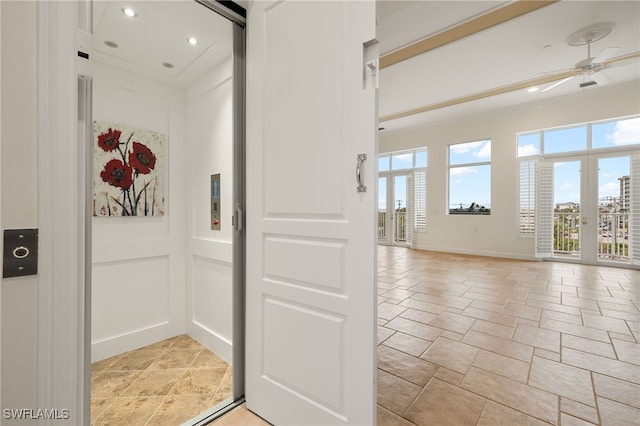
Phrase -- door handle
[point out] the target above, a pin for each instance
(239, 220)
(361, 187)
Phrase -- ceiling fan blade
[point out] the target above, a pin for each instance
(606, 53)
(557, 83)
(601, 78)
(622, 58)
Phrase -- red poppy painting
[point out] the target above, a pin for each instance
(128, 171)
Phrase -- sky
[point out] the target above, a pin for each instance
(567, 178)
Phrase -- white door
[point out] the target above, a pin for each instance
(592, 217)
(311, 235)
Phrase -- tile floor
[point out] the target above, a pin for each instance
(240, 416)
(463, 340)
(166, 383)
(468, 340)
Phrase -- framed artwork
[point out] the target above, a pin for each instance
(128, 176)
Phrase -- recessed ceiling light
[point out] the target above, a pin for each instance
(111, 44)
(129, 12)
(532, 89)
(192, 41)
(167, 65)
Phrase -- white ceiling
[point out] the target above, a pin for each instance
(507, 53)
(159, 35)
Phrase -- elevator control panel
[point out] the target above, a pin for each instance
(215, 202)
(20, 253)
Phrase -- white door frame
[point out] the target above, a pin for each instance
(589, 192)
(62, 346)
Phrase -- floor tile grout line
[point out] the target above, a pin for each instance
(558, 278)
(210, 397)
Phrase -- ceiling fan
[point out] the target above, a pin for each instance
(592, 67)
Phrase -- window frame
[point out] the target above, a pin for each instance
(480, 212)
(542, 155)
(589, 136)
(417, 226)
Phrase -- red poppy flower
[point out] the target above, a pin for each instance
(141, 158)
(118, 174)
(110, 140)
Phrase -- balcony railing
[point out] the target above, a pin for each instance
(382, 225)
(612, 237)
(400, 233)
(566, 234)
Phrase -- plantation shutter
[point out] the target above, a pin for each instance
(635, 210)
(527, 220)
(544, 209)
(420, 201)
(408, 226)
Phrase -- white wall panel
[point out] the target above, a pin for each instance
(128, 298)
(139, 262)
(209, 252)
(212, 304)
(125, 98)
(210, 139)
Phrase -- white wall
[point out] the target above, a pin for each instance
(155, 277)
(497, 234)
(19, 201)
(209, 252)
(138, 262)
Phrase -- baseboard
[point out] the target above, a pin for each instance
(215, 343)
(485, 253)
(132, 340)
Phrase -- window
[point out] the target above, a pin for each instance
(528, 144)
(610, 134)
(606, 134)
(383, 163)
(405, 160)
(615, 133)
(470, 178)
(565, 140)
(402, 161)
(412, 163)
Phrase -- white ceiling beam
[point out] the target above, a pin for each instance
(467, 28)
